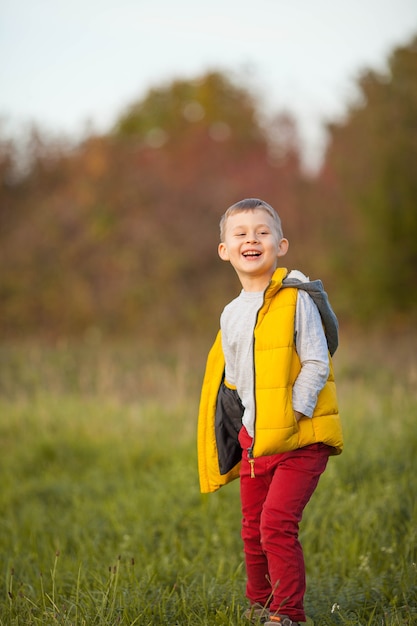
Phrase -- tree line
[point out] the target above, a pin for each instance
(120, 231)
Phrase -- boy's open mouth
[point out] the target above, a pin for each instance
(251, 253)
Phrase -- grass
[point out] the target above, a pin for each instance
(102, 522)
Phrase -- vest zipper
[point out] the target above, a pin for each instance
(251, 459)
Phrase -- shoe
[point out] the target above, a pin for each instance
(273, 620)
(257, 613)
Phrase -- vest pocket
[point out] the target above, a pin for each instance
(306, 434)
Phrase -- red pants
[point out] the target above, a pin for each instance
(272, 506)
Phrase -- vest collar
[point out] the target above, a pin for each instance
(276, 282)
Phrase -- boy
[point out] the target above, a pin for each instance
(268, 409)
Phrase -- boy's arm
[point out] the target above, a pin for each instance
(312, 349)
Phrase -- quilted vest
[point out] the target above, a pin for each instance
(276, 366)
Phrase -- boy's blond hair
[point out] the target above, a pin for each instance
(250, 204)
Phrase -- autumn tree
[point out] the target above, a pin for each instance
(371, 163)
(211, 103)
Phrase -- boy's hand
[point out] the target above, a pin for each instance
(298, 415)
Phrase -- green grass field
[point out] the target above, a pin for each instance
(102, 522)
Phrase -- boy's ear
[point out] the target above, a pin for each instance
(284, 244)
(223, 253)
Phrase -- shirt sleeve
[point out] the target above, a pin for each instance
(311, 346)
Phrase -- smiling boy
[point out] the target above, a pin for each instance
(268, 410)
(252, 241)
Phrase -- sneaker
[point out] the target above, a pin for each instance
(273, 620)
(257, 613)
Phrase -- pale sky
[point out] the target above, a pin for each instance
(67, 63)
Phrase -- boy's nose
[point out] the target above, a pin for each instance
(252, 238)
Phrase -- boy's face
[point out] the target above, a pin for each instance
(253, 247)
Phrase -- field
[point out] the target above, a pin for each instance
(102, 522)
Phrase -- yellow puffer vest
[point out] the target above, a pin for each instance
(276, 368)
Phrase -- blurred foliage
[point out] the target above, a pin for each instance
(372, 158)
(119, 233)
(212, 106)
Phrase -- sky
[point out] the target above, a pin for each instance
(73, 65)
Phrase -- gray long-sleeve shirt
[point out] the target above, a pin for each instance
(237, 324)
